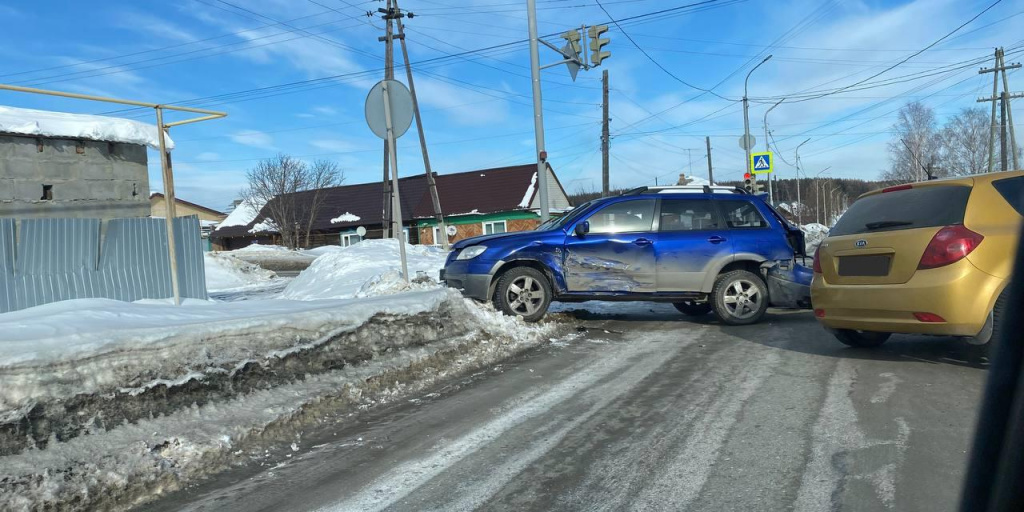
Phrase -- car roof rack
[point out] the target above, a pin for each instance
(692, 189)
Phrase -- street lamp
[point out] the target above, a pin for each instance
(817, 194)
(766, 147)
(746, 119)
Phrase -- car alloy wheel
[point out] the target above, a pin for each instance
(742, 299)
(525, 296)
(739, 297)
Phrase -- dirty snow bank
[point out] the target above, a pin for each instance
(368, 268)
(27, 121)
(225, 272)
(814, 234)
(122, 462)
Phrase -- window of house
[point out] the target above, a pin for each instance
(497, 226)
(349, 239)
(741, 215)
(438, 236)
(687, 215)
(623, 217)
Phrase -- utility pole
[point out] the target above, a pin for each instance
(604, 133)
(799, 205)
(711, 174)
(768, 148)
(389, 74)
(1005, 120)
(538, 110)
(431, 182)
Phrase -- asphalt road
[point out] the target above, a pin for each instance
(651, 411)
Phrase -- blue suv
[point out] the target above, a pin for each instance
(701, 248)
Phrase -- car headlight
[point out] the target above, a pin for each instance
(471, 252)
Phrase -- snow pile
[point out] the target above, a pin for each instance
(368, 268)
(345, 217)
(242, 215)
(225, 272)
(283, 365)
(814, 234)
(259, 248)
(320, 251)
(79, 126)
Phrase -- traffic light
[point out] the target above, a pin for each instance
(748, 183)
(573, 37)
(759, 188)
(597, 43)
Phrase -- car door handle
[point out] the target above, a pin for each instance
(642, 241)
(716, 239)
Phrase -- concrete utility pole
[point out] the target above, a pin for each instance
(1005, 114)
(389, 74)
(746, 119)
(538, 111)
(604, 133)
(799, 205)
(711, 174)
(431, 182)
(768, 148)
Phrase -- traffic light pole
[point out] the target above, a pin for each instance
(604, 134)
(538, 113)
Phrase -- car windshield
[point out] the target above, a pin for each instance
(569, 216)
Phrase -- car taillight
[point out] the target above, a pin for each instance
(897, 188)
(949, 245)
(817, 261)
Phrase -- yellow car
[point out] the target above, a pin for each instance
(929, 258)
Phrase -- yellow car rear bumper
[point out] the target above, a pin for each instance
(960, 293)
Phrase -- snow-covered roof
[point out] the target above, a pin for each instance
(24, 121)
(242, 215)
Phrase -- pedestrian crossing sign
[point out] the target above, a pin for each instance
(761, 163)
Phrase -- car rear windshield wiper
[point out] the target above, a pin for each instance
(887, 224)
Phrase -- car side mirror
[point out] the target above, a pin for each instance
(582, 228)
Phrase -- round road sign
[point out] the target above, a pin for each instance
(747, 142)
(401, 108)
(361, 231)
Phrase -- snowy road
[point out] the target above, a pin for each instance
(649, 412)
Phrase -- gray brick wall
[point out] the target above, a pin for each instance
(89, 179)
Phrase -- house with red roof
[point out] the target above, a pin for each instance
(473, 203)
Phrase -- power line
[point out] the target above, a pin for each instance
(655, 62)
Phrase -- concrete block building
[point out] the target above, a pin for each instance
(57, 165)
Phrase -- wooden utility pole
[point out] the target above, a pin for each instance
(1004, 123)
(604, 133)
(431, 182)
(711, 174)
(389, 74)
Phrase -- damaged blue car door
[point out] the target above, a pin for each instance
(612, 250)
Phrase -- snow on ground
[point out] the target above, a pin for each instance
(814, 234)
(225, 272)
(368, 268)
(79, 126)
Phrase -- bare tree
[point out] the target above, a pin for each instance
(290, 194)
(915, 144)
(964, 141)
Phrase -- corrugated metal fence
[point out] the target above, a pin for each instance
(59, 259)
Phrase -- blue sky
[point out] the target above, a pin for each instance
(477, 107)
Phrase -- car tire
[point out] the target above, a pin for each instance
(992, 329)
(693, 308)
(861, 339)
(739, 297)
(524, 292)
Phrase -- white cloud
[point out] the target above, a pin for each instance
(325, 110)
(207, 156)
(333, 145)
(254, 138)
